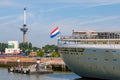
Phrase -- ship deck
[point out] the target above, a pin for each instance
(89, 43)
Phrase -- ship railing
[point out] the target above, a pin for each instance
(91, 45)
(84, 37)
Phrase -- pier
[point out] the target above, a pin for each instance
(55, 64)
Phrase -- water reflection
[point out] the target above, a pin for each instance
(37, 77)
(84, 79)
(87, 79)
(4, 75)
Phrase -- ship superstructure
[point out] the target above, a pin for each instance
(92, 54)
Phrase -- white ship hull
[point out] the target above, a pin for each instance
(92, 54)
(94, 62)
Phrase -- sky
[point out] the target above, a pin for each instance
(44, 15)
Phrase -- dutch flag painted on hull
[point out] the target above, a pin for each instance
(54, 32)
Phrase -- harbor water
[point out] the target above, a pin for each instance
(5, 75)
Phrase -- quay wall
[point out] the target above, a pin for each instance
(56, 64)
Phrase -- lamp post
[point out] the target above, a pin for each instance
(38, 62)
(18, 63)
(37, 65)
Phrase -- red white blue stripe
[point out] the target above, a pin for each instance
(54, 32)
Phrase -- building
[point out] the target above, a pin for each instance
(13, 48)
(33, 54)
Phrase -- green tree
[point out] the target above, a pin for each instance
(55, 54)
(3, 46)
(25, 46)
(0, 46)
(21, 45)
(35, 49)
(30, 45)
(40, 53)
(50, 48)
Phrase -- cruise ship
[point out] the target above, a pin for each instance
(92, 54)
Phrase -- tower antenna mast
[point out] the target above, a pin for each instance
(25, 8)
(24, 29)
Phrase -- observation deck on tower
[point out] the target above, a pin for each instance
(24, 29)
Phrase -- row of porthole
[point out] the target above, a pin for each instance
(88, 58)
(103, 67)
(105, 51)
(74, 53)
(104, 59)
(67, 52)
(77, 53)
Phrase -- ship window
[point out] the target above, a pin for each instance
(72, 49)
(107, 50)
(65, 43)
(95, 58)
(66, 52)
(106, 59)
(113, 51)
(63, 49)
(81, 53)
(114, 59)
(88, 58)
(80, 49)
(104, 42)
(116, 42)
(76, 53)
(73, 53)
(94, 50)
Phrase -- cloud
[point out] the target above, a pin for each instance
(107, 23)
(10, 3)
(107, 18)
(96, 23)
(55, 8)
(6, 17)
(17, 19)
(81, 4)
(85, 2)
(95, 3)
